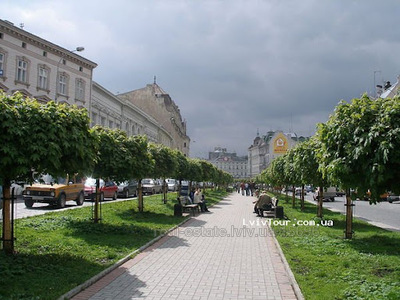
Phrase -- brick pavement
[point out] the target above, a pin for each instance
(212, 256)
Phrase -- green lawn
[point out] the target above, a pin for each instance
(60, 250)
(327, 266)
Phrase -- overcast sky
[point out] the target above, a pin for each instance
(232, 66)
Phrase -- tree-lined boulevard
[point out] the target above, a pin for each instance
(56, 139)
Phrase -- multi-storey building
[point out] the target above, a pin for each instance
(157, 103)
(266, 148)
(40, 69)
(229, 162)
(108, 110)
(43, 70)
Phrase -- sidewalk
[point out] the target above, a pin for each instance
(212, 256)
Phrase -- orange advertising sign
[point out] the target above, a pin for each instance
(280, 144)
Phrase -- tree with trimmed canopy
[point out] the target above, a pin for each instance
(360, 148)
(50, 138)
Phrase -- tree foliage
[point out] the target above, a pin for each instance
(51, 138)
(165, 162)
(360, 145)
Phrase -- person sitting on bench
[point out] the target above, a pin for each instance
(263, 203)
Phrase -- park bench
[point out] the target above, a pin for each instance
(271, 210)
(189, 207)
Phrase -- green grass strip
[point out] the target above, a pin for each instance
(327, 266)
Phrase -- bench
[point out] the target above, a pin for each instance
(187, 206)
(270, 211)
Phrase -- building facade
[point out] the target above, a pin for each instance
(229, 162)
(42, 70)
(110, 111)
(157, 103)
(268, 147)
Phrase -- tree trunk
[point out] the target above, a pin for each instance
(164, 191)
(349, 216)
(320, 202)
(140, 196)
(96, 202)
(179, 187)
(287, 195)
(302, 198)
(293, 197)
(8, 238)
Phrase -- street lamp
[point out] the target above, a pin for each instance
(77, 49)
(374, 90)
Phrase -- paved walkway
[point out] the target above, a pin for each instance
(212, 256)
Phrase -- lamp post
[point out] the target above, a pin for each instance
(77, 49)
(374, 90)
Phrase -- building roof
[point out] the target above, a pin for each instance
(392, 90)
(12, 30)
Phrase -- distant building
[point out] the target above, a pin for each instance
(229, 162)
(267, 147)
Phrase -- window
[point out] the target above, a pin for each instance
(110, 124)
(94, 119)
(22, 70)
(80, 90)
(103, 121)
(43, 78)
(23, 45)
(127, 128)
(62, 84)
(1, 35)
(44, 53)
(2, 64)
(81, 69)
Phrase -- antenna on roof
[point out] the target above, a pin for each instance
(155, 79)
(21, 25)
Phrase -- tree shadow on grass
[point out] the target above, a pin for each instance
(44, 276)
(122, 238)
(382, 244)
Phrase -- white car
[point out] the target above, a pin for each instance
(172, 184)
(329, 194)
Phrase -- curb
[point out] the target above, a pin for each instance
(293, 282)
(97, 277)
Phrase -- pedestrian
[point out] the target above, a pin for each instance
(203, 204)
(246, 186)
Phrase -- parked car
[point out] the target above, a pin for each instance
(128, 188)
(151, 186)
(392, 198)
(184, 189)
(297, 191)
(329, 194)
(19, 187)
(108, 189)
(1, 197)
(57, 193)
(172, 184)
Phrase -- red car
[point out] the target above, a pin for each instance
(108, 189)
